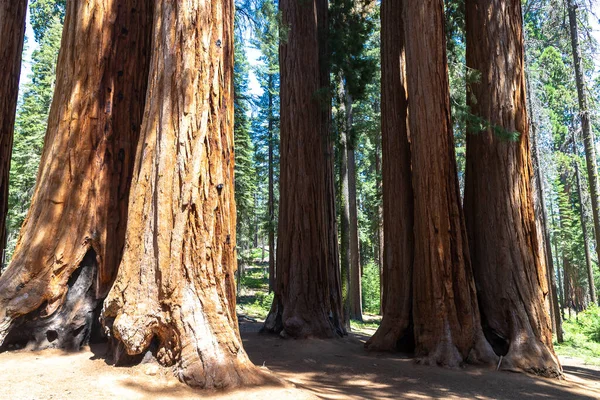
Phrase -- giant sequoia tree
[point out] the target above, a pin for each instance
(307, 292)
(509, 271)
(175, 288)
(71, 241)
(397, 185)
(445, 311)
(12, 32)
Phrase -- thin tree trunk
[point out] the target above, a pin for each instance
(509, 271)
(345, 237)
(559, 286)
(12, 32)
(271, 200)
(308, 289)
(547, 244)
(71, 242)
(255, 226)
(588, 134)
(355, 268)
(396, 325)
(567, 267)
(445, 310)
(586, 240)
(379, 245)
(175, 286)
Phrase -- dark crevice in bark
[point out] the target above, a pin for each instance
(406, 341)
(500, 344)
(73, 325)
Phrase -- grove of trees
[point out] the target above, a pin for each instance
(420, 160)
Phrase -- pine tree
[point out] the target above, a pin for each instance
(266, 122)
(245, 172)
(351, 25)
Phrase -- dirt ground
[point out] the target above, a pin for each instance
(328, 369)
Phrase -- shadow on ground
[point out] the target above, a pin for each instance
(342, 369)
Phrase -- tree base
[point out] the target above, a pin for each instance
(294, 326)
(74, 324)
(200, 344)
(392, 335)
(533, 358)
(446, 354)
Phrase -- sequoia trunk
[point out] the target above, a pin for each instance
(308, 289)
(12, 32)
(509, 271)
(445, 311)
(71, 242)
(397, 186)
(175, 289)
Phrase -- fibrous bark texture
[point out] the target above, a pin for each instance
(308, 288)
(79, 206)
(510, 273)
(175, 290)
(395, 326)
(12, 32)
(445, 311)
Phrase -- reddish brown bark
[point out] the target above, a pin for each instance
(445, 311)
(308, 288)
(175, 286)
(509, 271)
(397, 185)
(78, 211)
(12, 32)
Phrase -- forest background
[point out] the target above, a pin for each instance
(554, 114)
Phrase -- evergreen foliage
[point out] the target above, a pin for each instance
(245, 171)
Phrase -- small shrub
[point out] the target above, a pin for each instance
(590, 322)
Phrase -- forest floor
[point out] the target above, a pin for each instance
(326, 369)
(312, 369)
